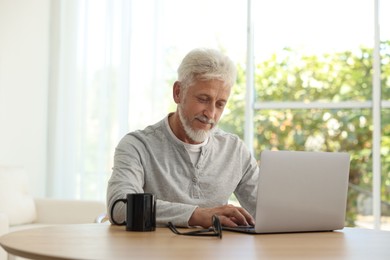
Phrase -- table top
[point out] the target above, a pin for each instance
(103, 241)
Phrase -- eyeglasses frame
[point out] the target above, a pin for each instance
(216, 229)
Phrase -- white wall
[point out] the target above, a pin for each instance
(24, 51)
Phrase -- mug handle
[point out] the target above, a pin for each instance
(112, 212)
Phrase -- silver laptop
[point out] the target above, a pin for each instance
(300, 192)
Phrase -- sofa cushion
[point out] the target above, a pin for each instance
(15, 198)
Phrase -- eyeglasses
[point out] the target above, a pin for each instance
(214, 231)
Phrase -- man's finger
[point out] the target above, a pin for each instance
(227, 222)
(248, 216)
(234, 215)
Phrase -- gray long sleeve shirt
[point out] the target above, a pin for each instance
(152, 161)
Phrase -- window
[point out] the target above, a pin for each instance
(315, 90)
(313, 83)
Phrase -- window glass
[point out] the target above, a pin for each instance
(384, 23)
(385, 69)
(313, 50)
(318, 51)
(385, 161)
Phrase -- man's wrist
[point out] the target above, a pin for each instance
(195, 218)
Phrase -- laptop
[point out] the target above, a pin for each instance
(300, 192)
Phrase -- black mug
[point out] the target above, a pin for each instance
(140, 213)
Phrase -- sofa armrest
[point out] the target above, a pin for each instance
(4, 227)
(4, 224)
(56, 211)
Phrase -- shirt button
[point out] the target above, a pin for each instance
(195, 180)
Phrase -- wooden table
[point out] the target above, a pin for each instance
(103, 241)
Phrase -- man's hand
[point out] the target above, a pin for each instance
(229, 216)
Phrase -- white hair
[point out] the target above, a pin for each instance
(206, 64)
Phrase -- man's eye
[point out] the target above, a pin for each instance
(203, 100)
(221, 104)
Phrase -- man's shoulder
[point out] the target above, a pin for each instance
(151, 131)
(228, 143)
(222, 136)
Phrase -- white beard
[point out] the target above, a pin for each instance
(198, 136)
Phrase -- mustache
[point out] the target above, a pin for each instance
(205, 119)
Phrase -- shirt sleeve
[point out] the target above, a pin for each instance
(177, 213)
(246, 191)
(128, 177)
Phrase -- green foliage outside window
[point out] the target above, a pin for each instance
(334, 77)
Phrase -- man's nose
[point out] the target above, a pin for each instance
(210, 111)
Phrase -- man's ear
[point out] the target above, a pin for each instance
(176, 92)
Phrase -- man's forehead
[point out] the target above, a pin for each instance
(220, 93)
(210, 86)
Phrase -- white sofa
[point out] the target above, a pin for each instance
(19, 210)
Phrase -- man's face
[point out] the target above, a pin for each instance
(201, 107)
